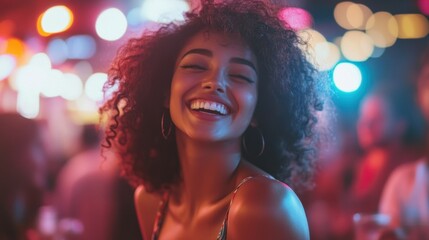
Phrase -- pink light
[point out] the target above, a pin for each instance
(296, 18)
(424, 6)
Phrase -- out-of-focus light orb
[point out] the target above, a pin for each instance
(7, 65)
(347, 77)
(382, 27)
(164, 11)
(340, 14)
(356, 46)
(312, 38)
(296, 18)
(81, 47)
(40, 61)
(94, 86)
(56, 19)
(327, 55)
(423, 6)
(51, 85)
(28, 103)
(28, 77)
(111, 24)
(412, 26)
(357, 15)
(72, 87)
(135, 18)
(15, 46)
(57, 51)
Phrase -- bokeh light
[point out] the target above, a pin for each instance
(423, 6)
(15, 46)
(356, 46)
(164, 11)
(327, 55)
(111, 24)
(347, 77)
(382, 27)
(81, 47)
(56, 19)
(412, 26)
(57, 51)
(72, 87)
(94, 86)
(7, 63)
(296, 18)
(51, 85)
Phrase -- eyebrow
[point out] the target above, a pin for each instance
(208, 53)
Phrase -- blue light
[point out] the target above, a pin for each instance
(347, 77)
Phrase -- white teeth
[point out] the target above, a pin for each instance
(208, 105)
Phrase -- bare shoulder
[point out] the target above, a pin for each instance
(265, 208)
(146, 207)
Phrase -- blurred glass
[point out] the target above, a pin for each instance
(370, 226)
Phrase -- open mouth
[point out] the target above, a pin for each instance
(209, 107)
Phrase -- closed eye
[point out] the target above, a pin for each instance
(242, 77)
(193, 66)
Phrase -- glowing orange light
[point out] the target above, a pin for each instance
(15, 47)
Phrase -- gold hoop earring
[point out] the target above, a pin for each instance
(258, 134)
(166, 132)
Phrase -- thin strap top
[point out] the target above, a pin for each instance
(160, 216)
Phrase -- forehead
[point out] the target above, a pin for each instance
(217, 42)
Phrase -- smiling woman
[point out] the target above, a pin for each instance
(212, 118)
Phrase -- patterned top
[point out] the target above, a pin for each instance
(160, 216)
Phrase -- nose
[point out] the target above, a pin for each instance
(214, 83)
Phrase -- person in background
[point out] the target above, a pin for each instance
(388, 133)
(212, 117)
(91, 194)
(22, 177)
(405, 197)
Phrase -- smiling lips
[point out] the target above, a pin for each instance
(209, 107)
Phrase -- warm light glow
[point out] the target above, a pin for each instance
(356, 46)
(94, 86)
(296, 18)
(15, 47)
(111, 24)
(8, 64)
(164, 11)
(312, 37)
(412, 26)
(382, 27)
(357, 15)
(327, 55)
(347, 77)
(340, 14)
(56, 19)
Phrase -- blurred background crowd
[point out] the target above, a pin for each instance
(54, 57)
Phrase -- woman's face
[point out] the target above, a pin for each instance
(214, 88)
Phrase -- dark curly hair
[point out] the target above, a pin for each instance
(288, 94)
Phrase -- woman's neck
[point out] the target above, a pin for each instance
(208, 171)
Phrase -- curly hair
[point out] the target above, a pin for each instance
(288, 94)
